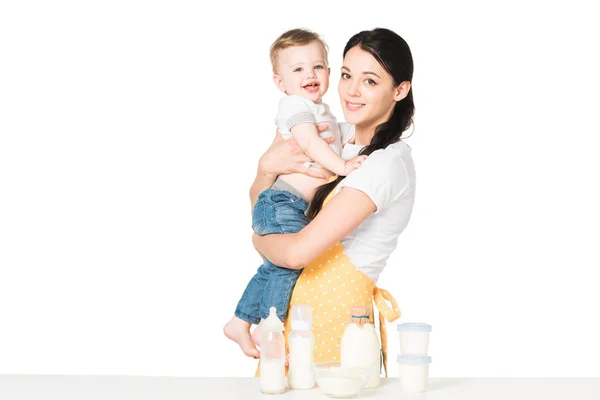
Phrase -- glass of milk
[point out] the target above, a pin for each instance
(414, 372)
(414, 338)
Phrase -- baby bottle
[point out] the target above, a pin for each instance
(272, 355)
(360, 345)
(301, 341)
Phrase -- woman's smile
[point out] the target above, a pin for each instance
(353, 106)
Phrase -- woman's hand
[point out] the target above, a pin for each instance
(282, 157)
(286, 156)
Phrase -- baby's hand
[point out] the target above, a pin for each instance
(353, 164)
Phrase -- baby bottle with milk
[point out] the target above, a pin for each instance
(272, 355)
(360, 344)
(301, 342)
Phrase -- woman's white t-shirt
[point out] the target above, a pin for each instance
(388, 178)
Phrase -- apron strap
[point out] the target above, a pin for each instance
(385, 312)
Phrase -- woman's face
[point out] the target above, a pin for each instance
(366, 90)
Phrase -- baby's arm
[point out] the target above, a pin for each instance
(311, 143)
(283, 157)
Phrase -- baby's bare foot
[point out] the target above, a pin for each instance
(238, 330)
(256, 334)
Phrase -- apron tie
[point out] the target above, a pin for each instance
(385, 312)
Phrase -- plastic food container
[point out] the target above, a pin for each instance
(414, 372)
(414, 338)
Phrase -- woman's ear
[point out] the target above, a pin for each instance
(279, 83)
(401, 91)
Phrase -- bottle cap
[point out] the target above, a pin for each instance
(272, 323)
(361, 315)
(414, 327)
(301, 317)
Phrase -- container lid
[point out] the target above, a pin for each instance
(413, 359)
(272, 323)
(414, 327)
(301, 317)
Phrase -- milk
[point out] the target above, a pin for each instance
(414, 342)
(414, 338)
(413, 378)
(300, 374)
(272, 376)
(340, 386)
(272, 354)
(301, 344)
(360, 346)
(414, 372)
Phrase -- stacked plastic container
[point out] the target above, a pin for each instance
(413, 359)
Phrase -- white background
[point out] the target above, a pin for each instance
(129, 137)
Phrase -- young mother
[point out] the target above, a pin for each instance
(356, 219)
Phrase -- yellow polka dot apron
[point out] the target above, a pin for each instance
(332, 285)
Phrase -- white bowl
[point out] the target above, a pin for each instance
(340, 382)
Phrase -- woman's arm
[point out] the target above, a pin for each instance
(282, 157)
(344, 212)
(263, 181)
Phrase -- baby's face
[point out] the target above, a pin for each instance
(303, 70)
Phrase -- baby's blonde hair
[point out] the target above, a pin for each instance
(291, 38)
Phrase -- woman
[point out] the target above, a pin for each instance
(356, 219)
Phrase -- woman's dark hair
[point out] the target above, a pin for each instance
(393, 54)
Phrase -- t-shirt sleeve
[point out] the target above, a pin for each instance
(346, 131)
(383, 177)
(294, 110)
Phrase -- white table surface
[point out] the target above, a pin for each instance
(67, 387)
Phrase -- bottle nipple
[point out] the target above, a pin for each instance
(272, 323)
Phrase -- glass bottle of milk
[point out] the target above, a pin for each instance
(301, 342)
(272, 354)
(360, 344)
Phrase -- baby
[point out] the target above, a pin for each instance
(299, 60)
